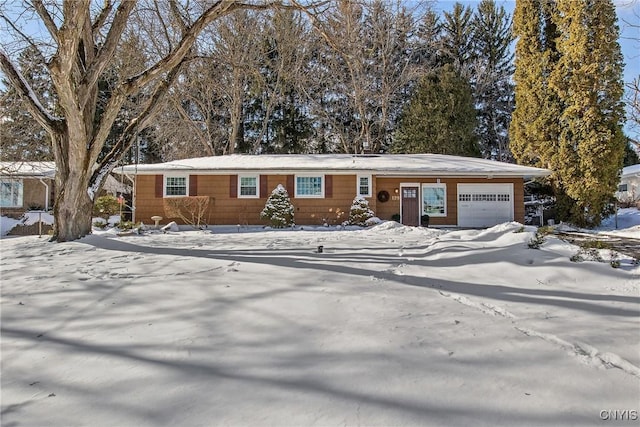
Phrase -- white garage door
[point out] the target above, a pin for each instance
(484, 205)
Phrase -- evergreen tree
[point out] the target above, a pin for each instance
(360, 213)
(21, 137)
(534, 127)
(588, 79)
(456, 42)
(440, 118)
(278, 210)
(568, 101)
(492, 74)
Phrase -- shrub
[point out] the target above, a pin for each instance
(192, 210)
(360, 212)
(105, 206)
(278, 210)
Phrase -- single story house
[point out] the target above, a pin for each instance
(26, 186)
(629, 187)
(454, 191)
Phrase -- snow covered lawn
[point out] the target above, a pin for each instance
(387, 326)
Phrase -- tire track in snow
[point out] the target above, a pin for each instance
(587, 354)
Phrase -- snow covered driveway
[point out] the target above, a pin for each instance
(388, 326)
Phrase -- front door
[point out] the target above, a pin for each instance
(409, 206)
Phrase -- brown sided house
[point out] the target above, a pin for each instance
(25, 186)
(453, 191)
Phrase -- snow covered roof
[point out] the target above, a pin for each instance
(629, 171)
(28, 169)
(384, 164)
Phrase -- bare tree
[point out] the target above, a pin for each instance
(365, 72)
(82, 41)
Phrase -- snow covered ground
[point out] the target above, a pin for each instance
(389, 325)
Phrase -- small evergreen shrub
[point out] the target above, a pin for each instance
(360, 212)
(105, 206)
(278, 210)
(536, 241)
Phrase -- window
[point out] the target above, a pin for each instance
(248, 186)
(175, 186)
(622, 187)
(364, 185)
(434, 199)
(309, 186)
(11, 193)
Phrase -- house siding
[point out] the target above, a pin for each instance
(33, 197)
(227, 210)
(386, 210)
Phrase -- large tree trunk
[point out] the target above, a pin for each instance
(73, 208)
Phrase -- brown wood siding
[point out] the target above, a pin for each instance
(193, 185)
(227, 210)
(148, 203)
(33, 197)
(159, 186)
(386, 210)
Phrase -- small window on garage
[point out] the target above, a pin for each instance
(622, 187)
(434, 199)
(175, 186)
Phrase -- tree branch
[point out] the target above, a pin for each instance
(46, 19)
(49, 122)
(218, 9)
(102, 16)
(108, 48)
(133, 128)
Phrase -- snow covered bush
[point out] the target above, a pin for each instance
(360, 213)
(278, 209)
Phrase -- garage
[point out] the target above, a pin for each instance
(484, 205)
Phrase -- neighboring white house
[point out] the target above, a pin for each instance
(629, 187)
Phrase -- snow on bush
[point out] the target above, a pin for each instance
(360, 213)
(278, 209)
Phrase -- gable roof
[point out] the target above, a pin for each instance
(383, 164)
(28, 169)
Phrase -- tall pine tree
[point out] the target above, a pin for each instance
(588, 79)
(440, 118)
(492, 78)
(568, 101)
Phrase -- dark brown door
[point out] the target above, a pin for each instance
(409, 206)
